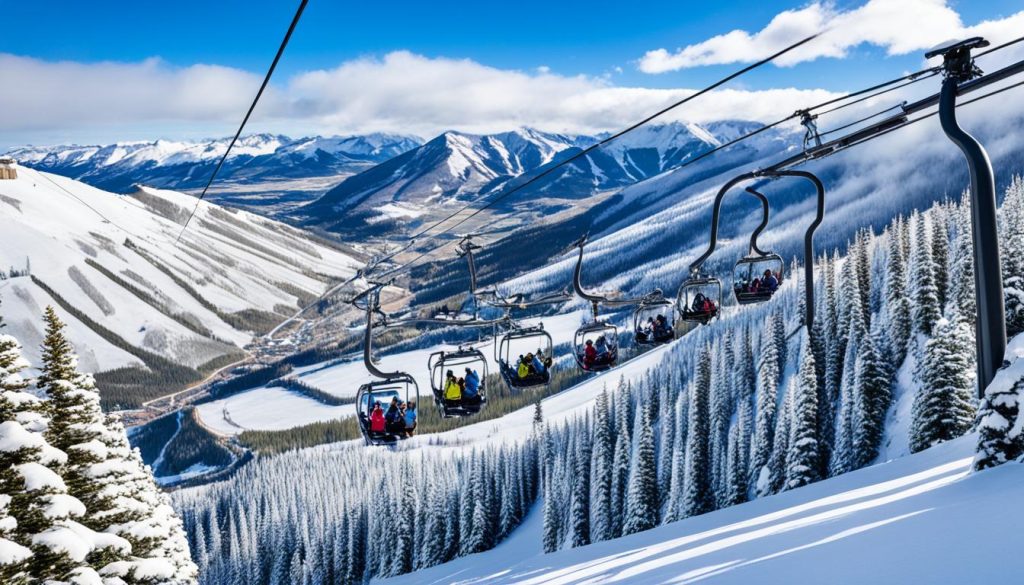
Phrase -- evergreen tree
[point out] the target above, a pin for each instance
(897, 302)
(552, 530)
(780, 448)
(767, 395)
(602, 458)
(620, 476)
(926, 310)
(579, 515)
(802, 460)
(942, 408)
(842, 451)
(1011, 253)
(673, 509)
(666, 440)
(961, 297)
(871, 399)
(642, 495)
(940, 252)
(698, 498)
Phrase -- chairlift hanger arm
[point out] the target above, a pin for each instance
(754, 249)
(596, 299)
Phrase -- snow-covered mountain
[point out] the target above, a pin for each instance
(137, 301)
(185, 165)
(455, 168)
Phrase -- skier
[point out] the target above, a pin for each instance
(589, 354)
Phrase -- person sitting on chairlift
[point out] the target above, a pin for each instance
(537, 363)
(769, 283)
(471, 395)
(589, 354)
(377, 419)
(393, 422)
(547, 361)
(410, 418)
(523, 369)
(661, 330)
(452, 391)
(603, 352)
(644, 332)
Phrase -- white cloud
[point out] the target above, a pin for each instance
(399, 92)
(898, 26)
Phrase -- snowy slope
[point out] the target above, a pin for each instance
(919, 519)
(115, 259)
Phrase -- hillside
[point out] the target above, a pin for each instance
(132, 296)
(862, 527)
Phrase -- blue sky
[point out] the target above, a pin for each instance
(602, 41)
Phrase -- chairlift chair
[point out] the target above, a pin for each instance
(749, 277)
(440, 363)
(402, 387)
(530, 337)
(699, 299)
(593, 332)
(648, 312)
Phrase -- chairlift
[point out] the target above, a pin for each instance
(392, 386)
(757, 276)
(596, 346)
(457, 362)
(699, 299)
(537, 343)
(652, 324)
(384, 392)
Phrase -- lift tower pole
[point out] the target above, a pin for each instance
(990, 330)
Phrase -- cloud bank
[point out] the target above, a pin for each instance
(898, 26)
(398, 92)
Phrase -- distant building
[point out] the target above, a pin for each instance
(8, 168)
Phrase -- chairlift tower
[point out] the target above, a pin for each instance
(990, 332)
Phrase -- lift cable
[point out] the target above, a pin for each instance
(862, 120)
(263, 86)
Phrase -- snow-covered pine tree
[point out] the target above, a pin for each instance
(673, 507)
(620, 473)
(666, 439)
(802, 460)
(39, 506)
(940, 251)
(871, 398)
(925, 307)
(1011, 253)
(552, 529)
(842, 449)
(602, 458)
(579, 514)
(861, 256)
(897, 302)
(642, 495)
(764, 426)
(107, 475)
(780, 446)
(698, 498)
(961, 295)
(942, 408)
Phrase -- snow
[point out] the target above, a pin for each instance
(66, 228)
(12, 552)
(39, 477)
(266, 409)
(913, 520)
